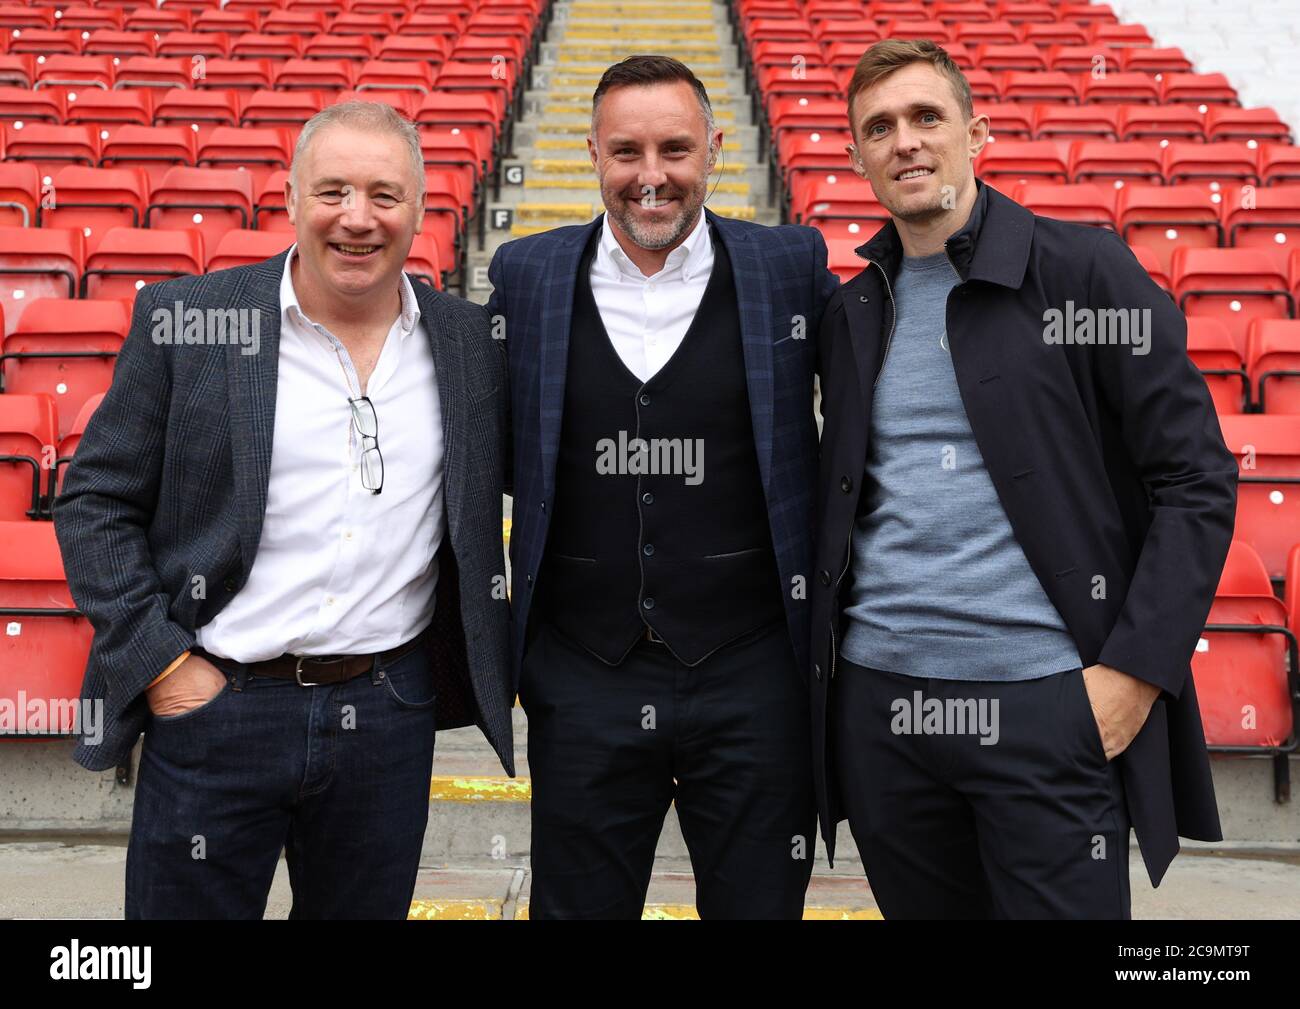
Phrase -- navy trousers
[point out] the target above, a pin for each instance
(610, 748)
(965, 808)
(336, 777)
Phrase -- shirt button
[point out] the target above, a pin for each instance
(231, 584)
(817, 670)
(826, 577)
(543, 506)
(846, 484)
(645, 400)
(348, 535)
(329, 600)
(647, 498)
(648, 602)
(648, 549)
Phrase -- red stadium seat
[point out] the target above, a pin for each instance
(1084, 203)
(313, 75)
(1266, 218)
(1160, 122)
(1038, 86)
(1126, 163)
(23, 105)
(283, 22)
(111, 42)
(1155, 61)
(20, 194)
(401, 75)
(199, 111)
(269, 213)
(1267, 448)
(51, 147)
(327, 46)
(213, 200)
(1233, 285)
(423, 263)
(214, 19)
(129, 258)
(256, 46)
(1123, 88)
(280, 108)
(1222, 163)
(1150, 262)
(75, 72)
(1247, 700)
(842, 260)
(154, 149)
(158, 72)
(1210, 346)
(840, 206)
(1021, 161)
(244, 248)
(94, 200)
(1273, 361)
(1223, 122)
(1198, 89)
(1075, 122)
(69, 442)
(37, 263)
(1166, 218)
(244, 74)
(46, 640)
(257, 151)
(66, 350)
(27, 450)
(209, 45)
(110, 108)
(1279, 163)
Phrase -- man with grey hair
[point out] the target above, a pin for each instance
(292, 559)
(665, 453)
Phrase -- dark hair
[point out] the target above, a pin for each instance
(644, 70)
(889, 55)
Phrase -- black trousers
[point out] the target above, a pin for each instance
(610, 748)
(1014, 814)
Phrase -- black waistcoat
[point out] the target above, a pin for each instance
(660, 518)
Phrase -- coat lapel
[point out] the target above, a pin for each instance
(753, 301)
(251, 381)
(444, 332)
(559, 277)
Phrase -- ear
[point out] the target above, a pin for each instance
(979, 130)
(591, 150)
(855, 162)
(288, 199)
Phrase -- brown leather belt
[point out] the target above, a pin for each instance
(318, 670)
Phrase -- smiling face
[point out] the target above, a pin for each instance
(915, 145)
(651, 151)
(355, 208)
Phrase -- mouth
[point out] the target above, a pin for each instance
(913, 173)
(355, 253)
(655, 204)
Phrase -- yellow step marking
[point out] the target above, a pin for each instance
(580, 211)
(685, 912)
(455, 910)
(480, 789)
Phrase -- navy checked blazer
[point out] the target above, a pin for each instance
(170, 480)
(782, 287)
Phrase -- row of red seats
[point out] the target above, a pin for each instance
(149, 15)
(22, 23)
(1265, 379)
(73, 73)
(1055, 86)
(819, 12)
(1109, 43)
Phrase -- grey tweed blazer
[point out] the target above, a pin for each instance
(170, 479)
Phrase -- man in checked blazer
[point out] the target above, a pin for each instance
(665, 457)
(288, 544)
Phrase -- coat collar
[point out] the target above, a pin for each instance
(993, 244)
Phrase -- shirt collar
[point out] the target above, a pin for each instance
(290, 308)
(886, 248)
(693, 256)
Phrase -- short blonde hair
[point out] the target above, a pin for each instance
(890, 55)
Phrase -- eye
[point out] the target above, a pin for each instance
(386, 200)
(877, 129)
(330, 196)
(931, 116)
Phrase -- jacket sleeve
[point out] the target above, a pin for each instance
(1170, 429)
(496, 307)
(102, 518)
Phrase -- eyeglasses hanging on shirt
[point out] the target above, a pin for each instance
(366, 422)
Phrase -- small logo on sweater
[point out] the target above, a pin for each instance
(682, 457)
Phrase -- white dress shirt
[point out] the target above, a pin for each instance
(647, 317)
(339, 570)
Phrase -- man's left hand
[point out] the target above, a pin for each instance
(1120, 704)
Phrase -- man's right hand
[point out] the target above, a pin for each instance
(194, 682)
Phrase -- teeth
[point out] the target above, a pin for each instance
(357, 250)
(915, 173)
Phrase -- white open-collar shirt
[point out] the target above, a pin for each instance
(339, 570)
(647, 317)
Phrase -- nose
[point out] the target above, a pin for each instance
(358, 214)
(906, 140)
(652, 173)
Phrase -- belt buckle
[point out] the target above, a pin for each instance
(297, 673)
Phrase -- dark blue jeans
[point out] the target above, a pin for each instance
(335, 776)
